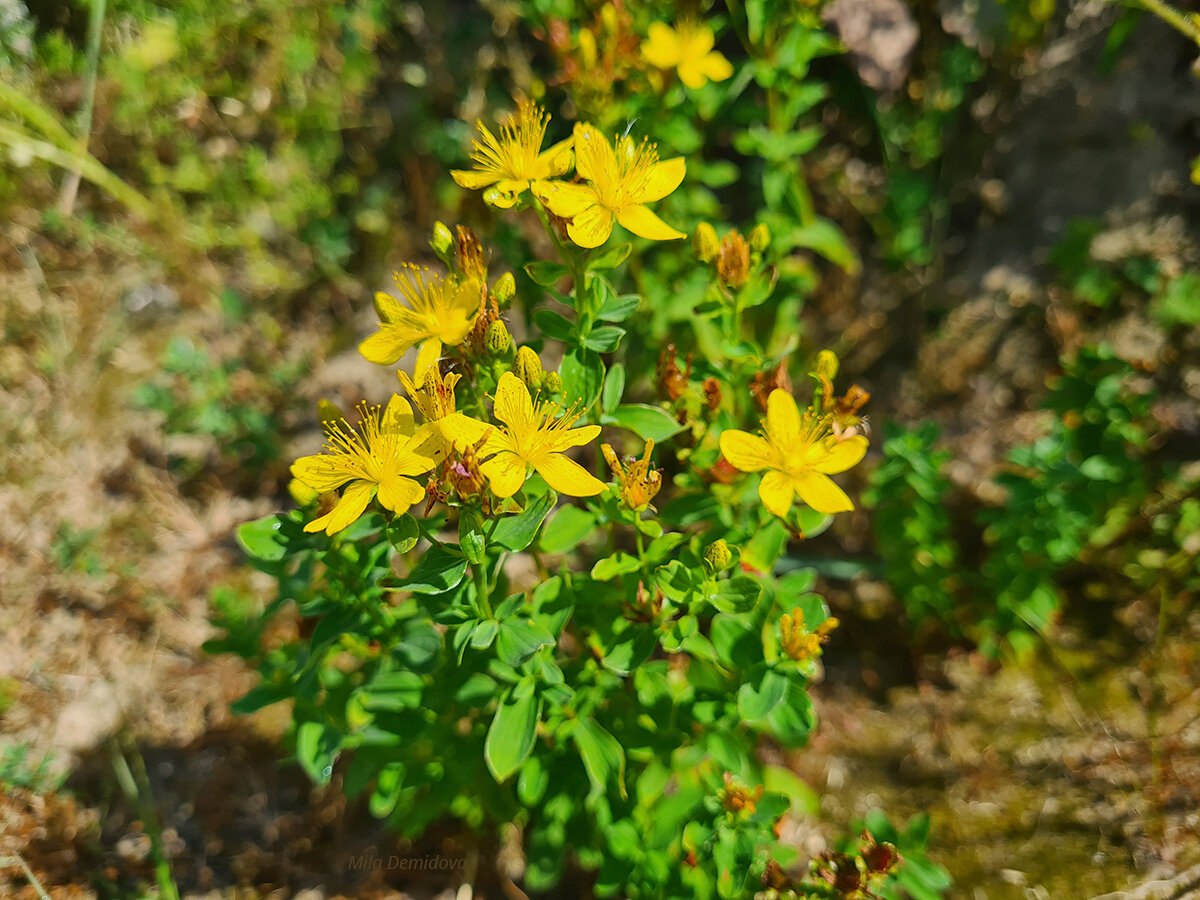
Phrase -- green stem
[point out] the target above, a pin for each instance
(136, 787)
(70, 185)
(1182, 23)
(482, 599)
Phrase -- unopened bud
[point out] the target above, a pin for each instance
(528, 367)
(717, 556)
(760, 237)
(442, 240)
(705, 242)
(497, 340)
(552, 383)
(827, 365)
(505, 288)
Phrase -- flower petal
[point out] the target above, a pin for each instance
(841, 456)
(661, 47)
(565, 200)
(462, 431)
(777, 491)
(783, 421)
(352, 504)
(555, 160)
(566, 476)
(745, 451)
(398, 417)
(691, 73)
(427, 357)
(474, 181)
(505, 472)
(513, 405)
(644, 223)
(387, 345)
(716, 67)
(398, 494)
(591, 227)
(388, 307)
(663, 178)
(572, 437)
(594, 156)
(819, 492)
(323, 472)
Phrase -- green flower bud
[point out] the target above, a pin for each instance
(497, 340)
(717, 556)
(705, 242)
(528, 367)
(442, 241)
(760, 237)
(552, 383)
(505, 288)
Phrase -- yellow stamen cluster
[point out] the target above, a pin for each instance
(638, 480)
(797, 641)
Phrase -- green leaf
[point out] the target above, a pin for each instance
(531, 786)
(437, 571)
(470, 536)
(403, 533)
(260, 539)
(614, 387)
(604, 339)
(618, 308)
(547, 274)
(611, 257)
(484, 633)
(582, 373)
(553, 325)
(738, 594)
(602, 756)
(792, 720)
(756, 702)
(511, 735)
(388, 785)
(830, 241)
(520, 638)
(517, 532)
(674, 580)
(650, 423)
(317, 748)
(393, 692)
(567, 530)
(620, 563)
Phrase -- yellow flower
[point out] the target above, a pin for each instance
(534, 436)
(799, 454)
(435, 400)
(638, 479)
(510, 164)
(378, 458)
(620, 184)
(688, 49)
(438, 312)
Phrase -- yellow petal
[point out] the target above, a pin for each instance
(783, 421)
(322, 472)
(819, 492)
(691, 73)
(462, 431)
(398, 417)
(473, 181)
(777, 492)
(745, 451)
(663, 178)
(594, 157)
(555, 160)
(427, 357)
(512, 405)
(716, 67)
(841, 456)
(352, 504)
(566, 476)
(398, 494)
(661, 47)
(565, 200)
(389, 308)
(591, 227)
(386, 346)
(573, 437)
(505, 472)
(644, 223)
(697, 42)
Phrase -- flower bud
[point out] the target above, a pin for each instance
(552, 383)
(505, 288)
(733, 260)
(717, 557)
(442, 240)
(528, 367)
(827, 365)
(760, 237)
(496, 339)
(704, 242)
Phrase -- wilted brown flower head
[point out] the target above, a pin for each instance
(733, 260)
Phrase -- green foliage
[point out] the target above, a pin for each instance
(19, 770)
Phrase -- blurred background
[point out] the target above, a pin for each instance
(197, 201)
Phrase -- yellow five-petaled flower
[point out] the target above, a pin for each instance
(534, 436)
(506, 166)
(439, 311)
(619, 185)
(379, 459)
(798, 453)
(688, 49)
